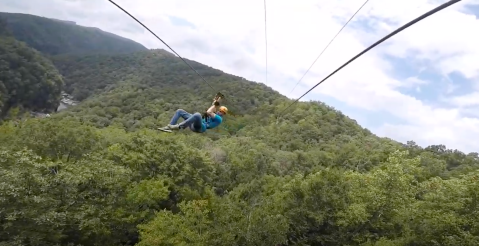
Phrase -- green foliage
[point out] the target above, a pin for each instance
(45, 203)
(4, 29)
(66, 139)
(159, 72)
(191, 227)
(27, 79)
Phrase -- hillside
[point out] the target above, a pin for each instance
(92, 74)
(28, 81)
(100, 174)
(54, 37)
(144, 89)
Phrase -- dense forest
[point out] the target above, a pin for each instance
(28, 80)
(100, 174)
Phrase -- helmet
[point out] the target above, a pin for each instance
(223, 109)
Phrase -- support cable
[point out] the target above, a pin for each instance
(427, 14)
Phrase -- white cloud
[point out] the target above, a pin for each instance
(468, 100)
(226, 32)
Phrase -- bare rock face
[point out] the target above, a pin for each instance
(66, 101)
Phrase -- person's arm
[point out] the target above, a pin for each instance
(212, 110)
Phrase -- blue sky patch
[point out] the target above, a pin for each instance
(437, 86)
(418, 81)
(472, 9)
(177, 21)
(461, 85)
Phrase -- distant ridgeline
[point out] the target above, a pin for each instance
(55, 37)
(64, 21)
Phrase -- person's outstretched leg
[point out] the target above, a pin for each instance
(173, 126)
(179, 113)
(194, 122)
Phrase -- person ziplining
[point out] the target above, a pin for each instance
(211, 119)
(196, 122)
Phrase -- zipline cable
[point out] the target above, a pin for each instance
(266, 41)
(329, 44)
(164, 44)
(161, 41)
(433, 11)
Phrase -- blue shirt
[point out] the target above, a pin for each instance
(211, 123)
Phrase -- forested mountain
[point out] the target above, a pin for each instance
(27, 79)
(90, 74)
(100, 174)
(54, 37)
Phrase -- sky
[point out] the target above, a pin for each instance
(420, 85)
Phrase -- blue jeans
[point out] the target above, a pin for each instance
(193, 121)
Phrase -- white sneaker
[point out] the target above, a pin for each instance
(165, 129)
(169, 128)
(173, 127)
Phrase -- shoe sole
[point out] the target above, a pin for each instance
(165, 130)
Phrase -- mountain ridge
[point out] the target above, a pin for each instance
(54, 37)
